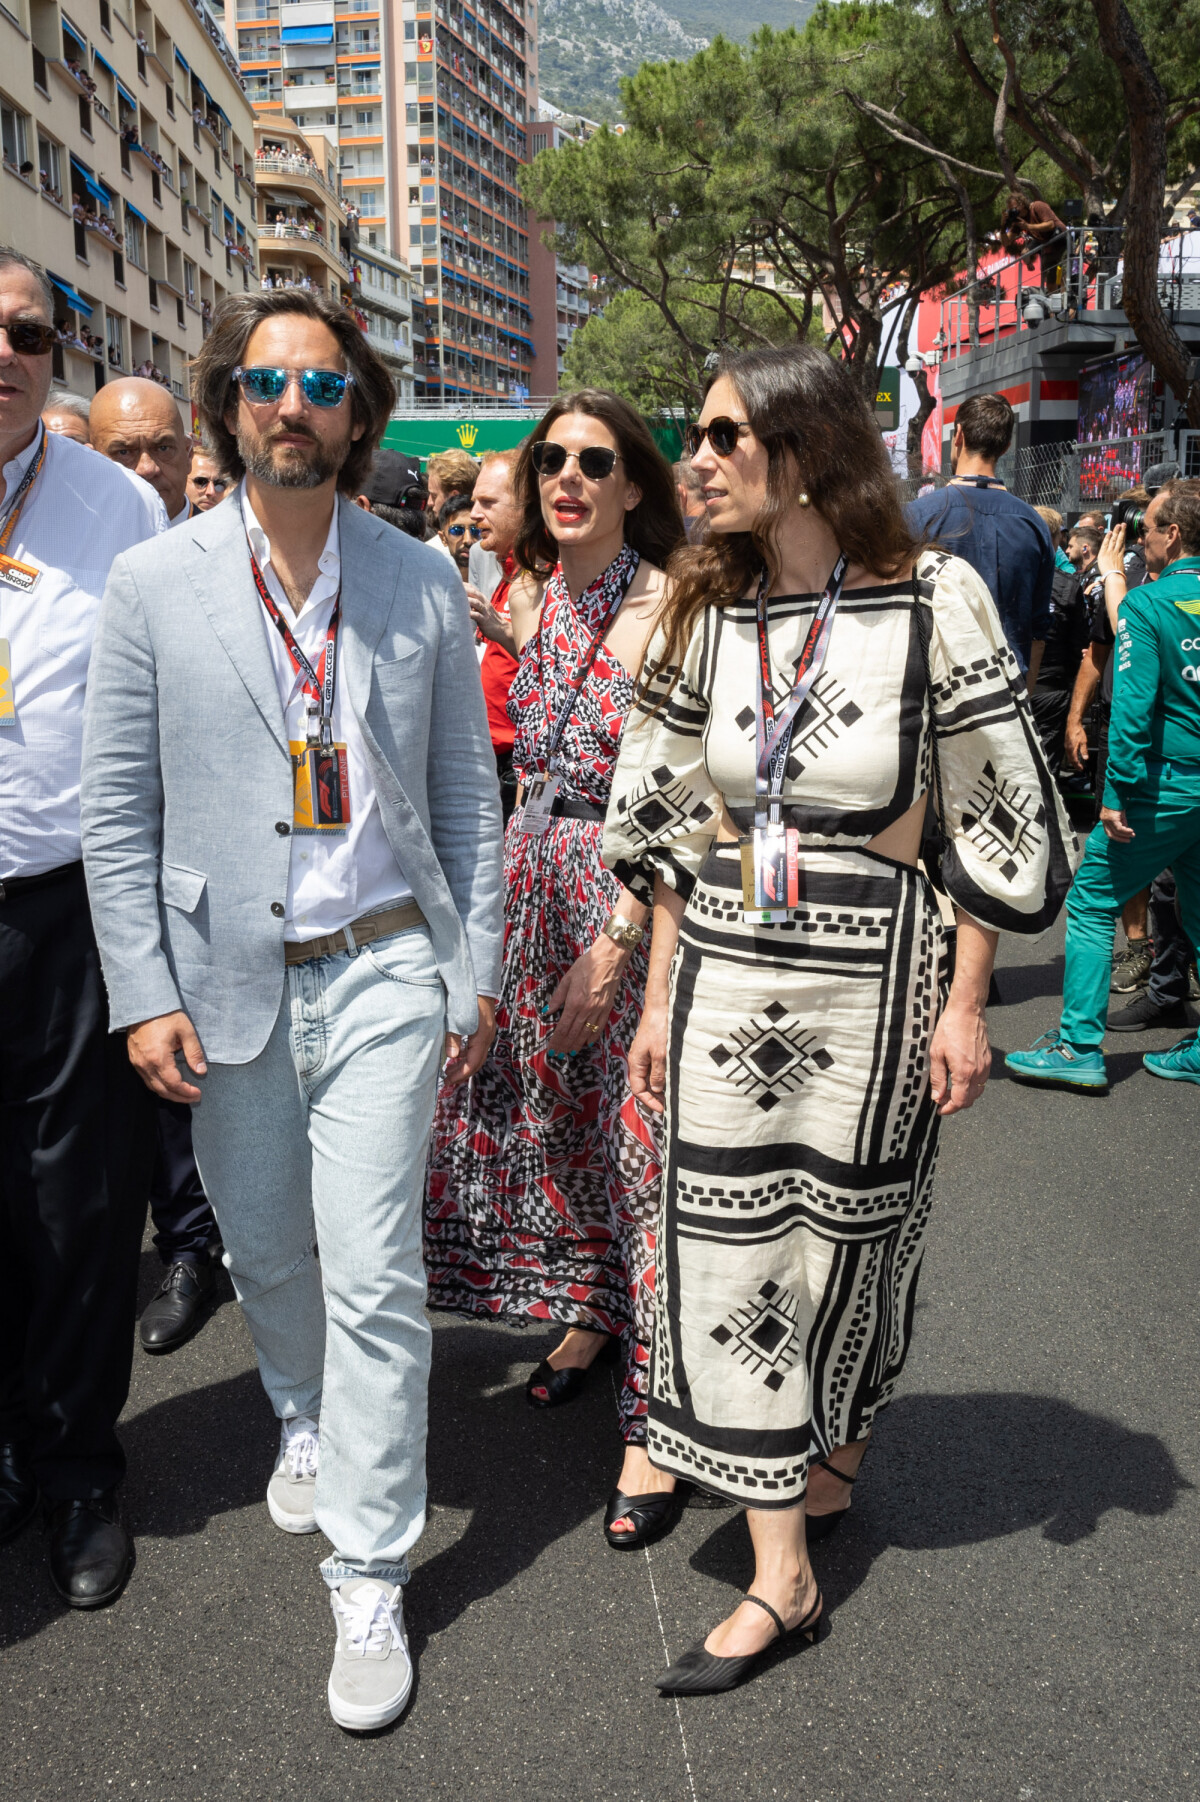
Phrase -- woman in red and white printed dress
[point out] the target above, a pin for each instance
(544, 1174)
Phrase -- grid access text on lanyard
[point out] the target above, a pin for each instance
(590, 655)
(773, 736)
(14, 574)
(319, 682)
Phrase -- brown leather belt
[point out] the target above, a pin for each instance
(359, 932)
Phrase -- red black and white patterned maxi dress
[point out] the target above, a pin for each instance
(544, 1178)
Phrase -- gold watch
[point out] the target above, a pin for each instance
(623, 932)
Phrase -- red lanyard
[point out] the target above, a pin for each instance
(319, 682)
(773, 740)
(589, 657)
(19, 499)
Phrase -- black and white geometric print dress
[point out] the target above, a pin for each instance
(801, 1136)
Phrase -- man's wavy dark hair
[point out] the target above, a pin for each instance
(214, 391)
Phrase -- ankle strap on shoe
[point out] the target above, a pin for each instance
(767, 1606)
(835, 1472)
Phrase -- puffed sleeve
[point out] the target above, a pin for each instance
(1010, 851)
(664, 809)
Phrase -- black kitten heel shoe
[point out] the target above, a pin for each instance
(559, 1386)
(701, 1673)
(653, 1516)
(820, 1526)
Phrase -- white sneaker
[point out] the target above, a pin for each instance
(372, 1674)
(292, 1490)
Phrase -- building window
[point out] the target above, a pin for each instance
(365, 116)
(414, 234)
(49, 168)
(135, 239)
(14, 129)
(116, 358)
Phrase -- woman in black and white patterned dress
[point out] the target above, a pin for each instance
(804, 1051)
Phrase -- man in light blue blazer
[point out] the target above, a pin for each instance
(292, 842)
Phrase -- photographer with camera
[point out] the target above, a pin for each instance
(1150, 813)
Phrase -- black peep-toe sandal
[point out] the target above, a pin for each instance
(702, 1673)
(564, 1385)
(820, 1526)
(653, 1516)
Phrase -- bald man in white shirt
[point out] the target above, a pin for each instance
(76, 1133)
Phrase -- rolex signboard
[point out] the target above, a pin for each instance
(887, 400)
(422, 435)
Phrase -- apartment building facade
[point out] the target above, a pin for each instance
(319, 64)
(470, 88)
(562, 292)
(128, 150)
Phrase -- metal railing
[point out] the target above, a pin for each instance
(1071, 477)
(1074, 273)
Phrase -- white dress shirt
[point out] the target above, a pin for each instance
(80, 514)
(333, 878)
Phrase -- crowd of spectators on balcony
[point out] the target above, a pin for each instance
(92, 218)
(80, 73)
(152, 373)
(78, 337)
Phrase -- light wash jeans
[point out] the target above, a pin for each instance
(325, 1134)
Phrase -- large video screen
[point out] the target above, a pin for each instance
(1116, 398)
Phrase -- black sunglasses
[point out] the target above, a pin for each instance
(596, 462)
(457, 531)
(30, 338)
(215, 482)
(722, 434)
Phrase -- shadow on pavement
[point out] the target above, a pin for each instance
(1030, 982)
(955, 1470)
(529, 1476)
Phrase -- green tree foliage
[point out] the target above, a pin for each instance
(630, 348)
(865, 156)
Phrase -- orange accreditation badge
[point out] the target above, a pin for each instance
(320, 787)
(8, 706)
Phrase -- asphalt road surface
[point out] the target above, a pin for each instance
(1014, 1598)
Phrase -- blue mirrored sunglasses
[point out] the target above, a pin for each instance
(320, 387)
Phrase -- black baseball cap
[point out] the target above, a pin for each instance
(392, 476)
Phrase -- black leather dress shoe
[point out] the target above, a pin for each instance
(182, 1305)
(91, 1554)
(18, 1492)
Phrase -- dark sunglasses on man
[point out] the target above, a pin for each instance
(457, 531)
(596, 462)
(30, 338)
(218, 484)
(722, 434)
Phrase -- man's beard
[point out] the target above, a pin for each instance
(295, 467)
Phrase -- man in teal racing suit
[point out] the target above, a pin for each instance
(1150, 818)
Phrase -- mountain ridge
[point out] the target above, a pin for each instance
(586, 46)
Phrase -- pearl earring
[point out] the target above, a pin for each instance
(804, 499)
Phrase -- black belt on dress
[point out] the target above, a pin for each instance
(576, 810)
(12, 886)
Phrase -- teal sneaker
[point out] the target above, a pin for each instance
(1054, 1065)
(1180, 1064)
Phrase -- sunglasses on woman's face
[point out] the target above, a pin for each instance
(457, 531)
(320, 387)
(596, 462)
(722, 434)
(30, 338)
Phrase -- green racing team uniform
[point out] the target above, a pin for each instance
(1153, 776)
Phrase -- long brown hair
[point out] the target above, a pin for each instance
(821, 439)
(654, 527)
(371, 398)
